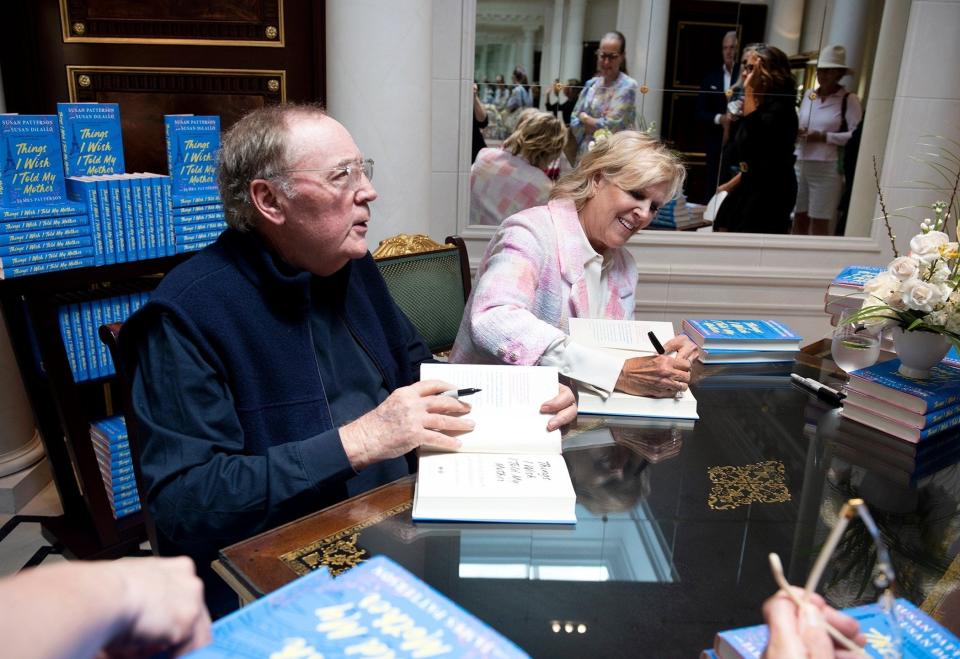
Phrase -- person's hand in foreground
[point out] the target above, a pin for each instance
(410, 417)
(127, 608)
(563, 407)
(800, 632)
(660, 376)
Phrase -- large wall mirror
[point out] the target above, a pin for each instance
(687, 76)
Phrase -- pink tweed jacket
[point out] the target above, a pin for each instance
(530, 282)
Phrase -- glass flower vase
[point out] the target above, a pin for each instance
(919, 351)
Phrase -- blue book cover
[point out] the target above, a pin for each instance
(76, 324)
(197, 210)
(58, 244)
(741, 334)
(143, 194)
(115, 428)
(940, 390)
(192, 145)
(80, 221)
(44, 212)
(109, 191)
(85, 191)
(117, 460)
(8, 272)
(953, 357)
(155, 210)
(66, 335)
(319, 616)
(186, 248)
(193, 229)
(32, 167)
(41, 235)
(919, 635)
(166, 188)
(90, 138)
(135, 250)
(855, 276)
(103, 354)
(139, 216)
(108, 223)
(200, 218)
(46, 257)
(205, 237)
(90, 340)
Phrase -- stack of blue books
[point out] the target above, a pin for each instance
(41, 230)
(845, 292)
(192, 145)
(676, 215)
(112, 448)
(130, 213)
(742, 341)
(87, 355)
(909, 409)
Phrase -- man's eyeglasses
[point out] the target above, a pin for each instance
(346, 174)
(607, 56)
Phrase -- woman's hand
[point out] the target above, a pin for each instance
(659, 376)
(729, 185)
(587, 121)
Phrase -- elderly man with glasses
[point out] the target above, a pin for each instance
(271, 374)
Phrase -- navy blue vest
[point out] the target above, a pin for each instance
(247, 313)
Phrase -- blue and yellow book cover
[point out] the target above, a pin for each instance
(91, 138)
(32, 167)
(192, 145)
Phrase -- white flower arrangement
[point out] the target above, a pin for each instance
(919, 291)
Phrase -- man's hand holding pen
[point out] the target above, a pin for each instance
(662, 375)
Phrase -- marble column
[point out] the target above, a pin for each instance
(847, 21)
(526, 53)
(815, 15)
(481, 66)
(785, 25)
(552, 46)
(647, 59)
(381, 90)
(20, 444)
(573, 39)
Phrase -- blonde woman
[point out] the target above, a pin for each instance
(506, 180)
(566, 260)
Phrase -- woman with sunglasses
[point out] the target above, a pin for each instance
(608, 100)
(567, 259)
(762, 194)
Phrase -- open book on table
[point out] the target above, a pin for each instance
(508, 468)
(626, 339)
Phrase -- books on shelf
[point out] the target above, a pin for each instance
(509, 468)
(941, 390)
(749, 335)
(626, 339)
(376, 608)
(192, 145)
(90, 138)
(80, 323)
(846, 290)
(920, 635)
(111, 445)
(33, 199)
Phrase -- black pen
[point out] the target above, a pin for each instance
(656, 343)
(460, 393)
(822, 391)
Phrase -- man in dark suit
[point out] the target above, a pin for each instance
(712, 107)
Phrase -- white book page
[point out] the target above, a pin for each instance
(620, 334)
(507, 407)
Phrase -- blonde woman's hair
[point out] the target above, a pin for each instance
(539, 138)
(630, 160)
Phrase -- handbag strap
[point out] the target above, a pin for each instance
(843, 114)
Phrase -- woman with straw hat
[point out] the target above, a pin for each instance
(828, 117)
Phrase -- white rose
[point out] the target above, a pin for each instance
(882, 289)
(925, 247)
(903, 268)
(920, 295)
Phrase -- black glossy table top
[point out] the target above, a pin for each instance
(675, 522)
